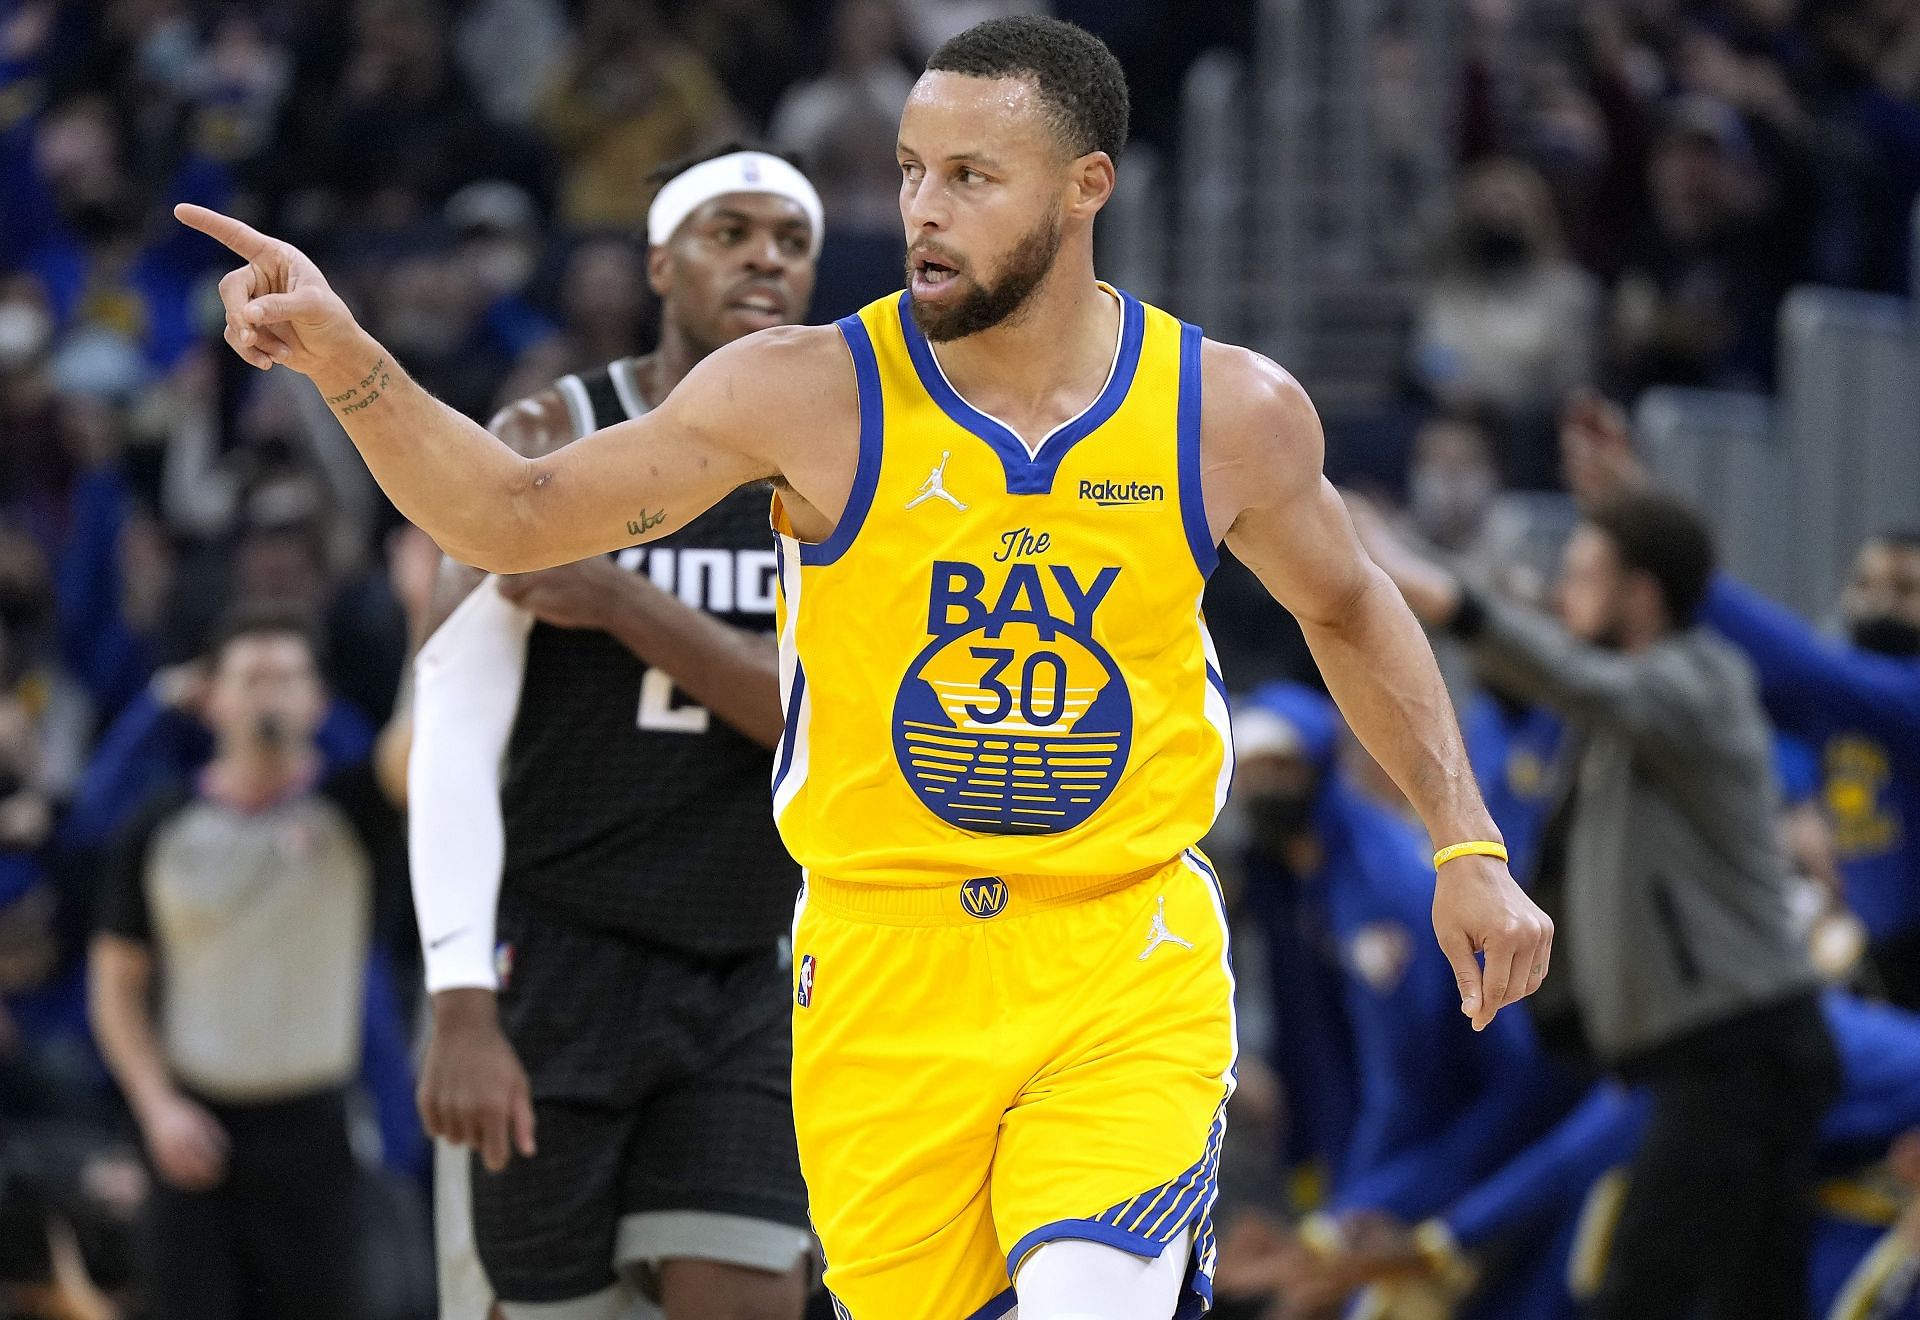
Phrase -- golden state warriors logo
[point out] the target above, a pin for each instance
(984, 896)
(1013, 719)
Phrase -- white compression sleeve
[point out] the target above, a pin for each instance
(466, 691)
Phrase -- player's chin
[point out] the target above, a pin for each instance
(745, 320)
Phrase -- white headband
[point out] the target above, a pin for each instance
(741, 172)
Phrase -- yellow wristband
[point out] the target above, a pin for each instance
(1471, 848)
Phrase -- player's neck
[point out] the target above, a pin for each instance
(1066, 330)
(660, 371)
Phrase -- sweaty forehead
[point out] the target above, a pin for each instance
(960, 114)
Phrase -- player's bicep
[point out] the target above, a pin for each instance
(643, 478)
(637, 481)
(1305, 552)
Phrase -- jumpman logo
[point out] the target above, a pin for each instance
(935, 487)
(1158, 934)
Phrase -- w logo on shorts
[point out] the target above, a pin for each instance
(984, 896)
(804, 995)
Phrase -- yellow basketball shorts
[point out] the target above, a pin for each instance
(982, 1068)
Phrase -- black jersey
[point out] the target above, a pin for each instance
(628, 806)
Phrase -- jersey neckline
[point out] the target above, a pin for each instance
(1030, 471)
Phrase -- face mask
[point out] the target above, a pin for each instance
(1884, 634)
(1499, 249)
(1278, 819)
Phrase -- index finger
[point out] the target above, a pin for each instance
(242, 237)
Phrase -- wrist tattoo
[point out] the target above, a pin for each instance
(363, 395)
(647, 522)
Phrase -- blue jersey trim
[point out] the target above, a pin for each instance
(787, 738)
(1001, 1304)
(1193, 501)
(1219, 683)
(1085, 1230)
(1146, 1224)
(1026, 473)
(866, 474)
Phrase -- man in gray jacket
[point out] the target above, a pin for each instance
(1680, 963)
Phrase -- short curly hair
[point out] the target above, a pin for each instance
(1078, 78)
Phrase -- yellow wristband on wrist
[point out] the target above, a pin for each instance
(1471, 848)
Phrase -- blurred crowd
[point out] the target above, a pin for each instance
(1640, 182)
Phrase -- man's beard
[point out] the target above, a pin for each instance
(988, 305)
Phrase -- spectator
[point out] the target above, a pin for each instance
(237, 1076)
(498, 252)
(1456, 504)
(606, 310)
(1681, 965)
(1532, 1205)
(508, 50)
(1512, 746)
(1342, 881)
(401, 88)
(1857, 701)
(1508, 326)
(843, 123)
(1710, 264)
(34, 467)
(96, 257)
(755, 47)
(629, 99)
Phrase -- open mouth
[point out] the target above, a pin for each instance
(759, 303)
(932, 271)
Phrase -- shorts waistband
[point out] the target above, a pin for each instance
(943, 905)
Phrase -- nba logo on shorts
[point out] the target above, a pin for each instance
(804, 996)
(984, 896)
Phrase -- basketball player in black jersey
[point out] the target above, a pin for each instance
(616, 1049)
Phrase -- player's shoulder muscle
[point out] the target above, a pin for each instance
(1260, 437)
(772, 394)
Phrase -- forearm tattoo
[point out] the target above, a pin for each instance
(648, 520)
(366, 393)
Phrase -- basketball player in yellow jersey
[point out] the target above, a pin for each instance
(999, 496)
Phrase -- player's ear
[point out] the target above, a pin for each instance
(659, 270)
(1091, 184)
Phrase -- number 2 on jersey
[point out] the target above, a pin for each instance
(659, 714)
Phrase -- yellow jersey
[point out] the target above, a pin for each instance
(997, 664)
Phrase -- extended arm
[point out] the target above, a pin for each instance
(1263, 454)
(1531, 657)
(488, 506)
(1802, 672)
